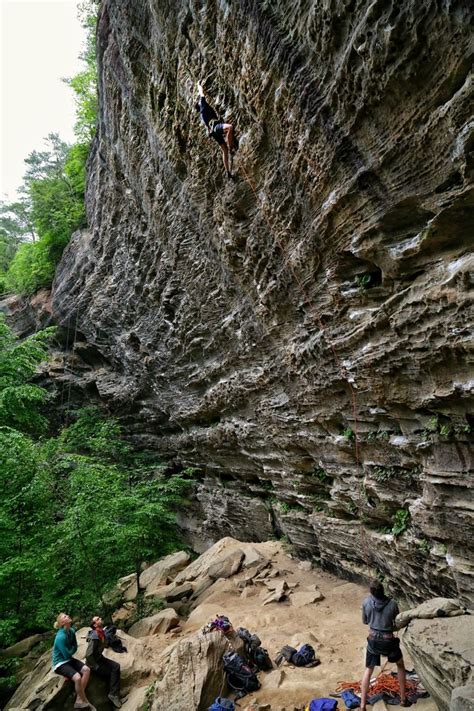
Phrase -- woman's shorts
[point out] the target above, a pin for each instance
(218, 133)
(68, 669)
(377, 648)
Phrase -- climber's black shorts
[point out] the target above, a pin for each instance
(218, 133)
(377, 648)
(70, 668)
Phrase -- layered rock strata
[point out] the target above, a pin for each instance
(302, 330)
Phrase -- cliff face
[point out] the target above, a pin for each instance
(301, 331)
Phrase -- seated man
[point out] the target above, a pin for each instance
(100, 665)
(222, 132)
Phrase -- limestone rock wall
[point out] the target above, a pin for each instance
(302, 331)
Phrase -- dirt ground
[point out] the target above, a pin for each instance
(332, 626)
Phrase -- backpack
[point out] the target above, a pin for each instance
(323, 705)
(262, 660)
(350, 699)
(304, 657)
(241, 679)
(221, 623)
(221, 704)
(252, 641)
(113, 641)
(285, 654)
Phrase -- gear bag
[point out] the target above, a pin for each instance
(304, 657)
(221, 704)
(241, 679)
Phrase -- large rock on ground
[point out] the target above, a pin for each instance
(163, 621)
(442, 651)
(164, 570)
(193, 674)
(43, 689)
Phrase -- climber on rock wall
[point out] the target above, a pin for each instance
(379, 612)
(222, 132)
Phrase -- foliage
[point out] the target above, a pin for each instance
(54, 185)
(320, 474)
(19, 399)
(446, 429)
(384, 473)
(348, 433)
(400, 522)
(78, 510)
(35, 230)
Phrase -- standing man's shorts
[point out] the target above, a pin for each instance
(377, 648)
(69, 668)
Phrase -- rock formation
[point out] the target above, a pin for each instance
(300, 332)
(443, 653)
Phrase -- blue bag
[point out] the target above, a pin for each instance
(304, 656)
(221, 704)
(323, 705)
(350, 699)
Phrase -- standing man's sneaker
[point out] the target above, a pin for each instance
(115, 700)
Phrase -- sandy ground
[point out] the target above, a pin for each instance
(332, 626)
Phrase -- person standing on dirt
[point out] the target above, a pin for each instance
(222, 132)
(379, 612)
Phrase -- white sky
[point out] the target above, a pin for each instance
(40, 43)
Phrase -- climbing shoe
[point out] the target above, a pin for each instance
(115, 700)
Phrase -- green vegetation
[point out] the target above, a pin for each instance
(380, 435)
(348, 433)
(424, 546)
(35, 229)
(362, 281)
(383, 474)
(400, 522)
(320, 474)
(446, 429)
(78, 510)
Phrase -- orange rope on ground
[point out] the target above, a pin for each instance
(383, 684)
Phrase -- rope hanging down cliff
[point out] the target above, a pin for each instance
(225, 136)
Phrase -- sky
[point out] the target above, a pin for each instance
(40, 43)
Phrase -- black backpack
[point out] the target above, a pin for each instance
(262, 660)
(252, 641)
(241, 679)
(113, 640)
(257, 655)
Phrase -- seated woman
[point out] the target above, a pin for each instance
(64, 647)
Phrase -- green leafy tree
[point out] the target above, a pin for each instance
(19, 399)
(52, 204)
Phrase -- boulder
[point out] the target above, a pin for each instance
(442, 651)
(124, 615)
(300, 599)
(21, 648)
(42, 688)
(125, 589)
(281, 592)
(462, 698)
(201, 565)
(191, 674)
(226, 566)
(436, 607)
(163, 570)
(160, 623)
